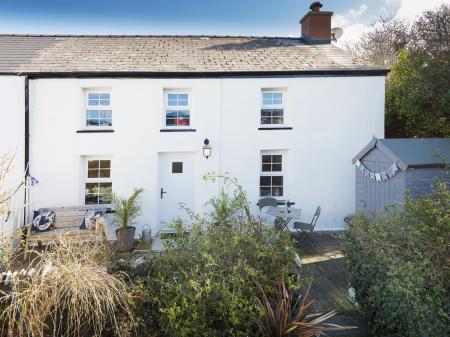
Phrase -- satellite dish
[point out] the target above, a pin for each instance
(336, 33)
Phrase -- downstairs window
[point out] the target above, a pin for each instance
(98, 186)
(271, 180)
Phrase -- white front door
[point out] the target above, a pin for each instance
(176, 186)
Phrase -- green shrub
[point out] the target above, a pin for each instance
(399, 266)
(205, 282)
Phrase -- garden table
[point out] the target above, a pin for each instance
(286, 213)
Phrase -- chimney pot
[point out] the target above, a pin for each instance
(316, 6)
(316, 25)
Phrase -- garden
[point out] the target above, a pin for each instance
(222, 274)
(227, 273)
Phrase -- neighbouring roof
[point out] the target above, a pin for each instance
(188, 54)
(412, 152)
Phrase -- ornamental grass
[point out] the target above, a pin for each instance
(70, 293)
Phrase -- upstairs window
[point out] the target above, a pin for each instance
(98, 185)
(98, 109)
(272, 108)
(271, 180)
(177, 109)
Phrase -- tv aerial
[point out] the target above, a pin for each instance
(336, 33)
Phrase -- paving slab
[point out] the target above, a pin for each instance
(323, 258)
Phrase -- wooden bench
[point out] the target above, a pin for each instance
(67, 224)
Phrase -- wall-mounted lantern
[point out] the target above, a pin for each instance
(206, 148)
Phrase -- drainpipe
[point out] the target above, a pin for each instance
(219, 134)
(27, 142)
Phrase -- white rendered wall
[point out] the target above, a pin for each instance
(12, 131)
(332, 119)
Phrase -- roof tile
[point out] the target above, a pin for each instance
(31, 53)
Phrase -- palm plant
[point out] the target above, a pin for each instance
(127, 209)
(282, 319)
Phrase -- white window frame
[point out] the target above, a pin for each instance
(273, 173)
(177, 107)
(97, 180)
(97, 107)
(282, 106)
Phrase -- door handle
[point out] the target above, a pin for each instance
(162, 192)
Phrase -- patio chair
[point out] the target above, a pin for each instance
(264, 202)
(304, 227)
(267, 201)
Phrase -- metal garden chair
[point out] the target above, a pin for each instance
(304, 227)
(267, 201)
(264, 202)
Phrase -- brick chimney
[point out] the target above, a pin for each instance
(316, 25)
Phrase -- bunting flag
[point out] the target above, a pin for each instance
(377, 176)
(33, 180)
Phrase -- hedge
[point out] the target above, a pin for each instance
(399, 265)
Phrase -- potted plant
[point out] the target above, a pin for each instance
(125, 213)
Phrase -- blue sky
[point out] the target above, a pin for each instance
(229, 17)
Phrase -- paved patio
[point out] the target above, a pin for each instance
(322, 256)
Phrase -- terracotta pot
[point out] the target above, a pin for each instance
(125, 238)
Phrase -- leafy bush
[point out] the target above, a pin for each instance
(399, 266)
(417, 89)
(418, 95)
(205, 282)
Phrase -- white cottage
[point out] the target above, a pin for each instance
(94, 114)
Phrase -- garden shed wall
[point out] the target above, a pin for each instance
(415, 178)
(375, 195)
(420, 181)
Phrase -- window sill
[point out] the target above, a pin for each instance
(96, 131)
(178, 130)
(106, 207)
(275, 128)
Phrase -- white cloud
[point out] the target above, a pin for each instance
(352, 33)
(354, 27)
(349, 23)
(339, 20)
(410, 9)
(356, 13)
(392, 2)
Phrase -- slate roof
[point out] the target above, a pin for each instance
(411, 152)
(53, 54)
(419, 151)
